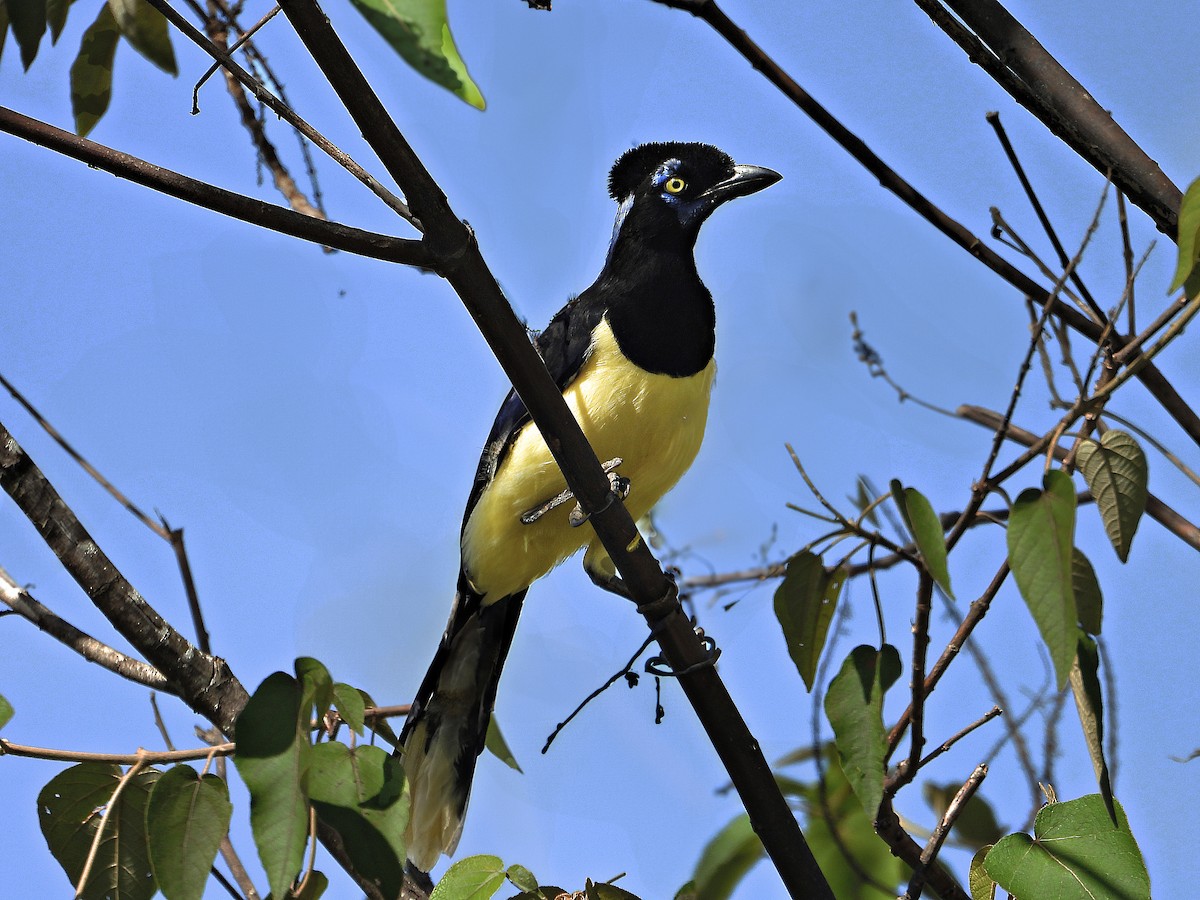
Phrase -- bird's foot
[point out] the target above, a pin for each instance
(530, 516)
(618, 489)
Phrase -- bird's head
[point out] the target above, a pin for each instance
(667, 190)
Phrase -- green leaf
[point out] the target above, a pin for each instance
(1089, 604)
(146, 30)
(726, 859)
(521, 878)
(687, 892)
(981, 884)
(855, 861)
(1041, 532)
(419, 31)
(186, 818)
(1075, 854)
(473, 878)
(804, 605)
(498, 747)
(91, 73)
(350, 705)
(6, 711)
(1085, 685)
(1189, 237)
(360, 794)
(56, 17)
(317, 685)
(927, 532)
(1118, 476)
(273, 754)
(68, 809)
(976, 824)
(316, 886)
(854, 706)
(379, 724)
(28, 21)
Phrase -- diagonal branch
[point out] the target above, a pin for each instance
(22, 603)
(239, 206)
(204, 682)
(1150, 376)
(1064, 106)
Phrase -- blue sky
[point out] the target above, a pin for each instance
(313, 420)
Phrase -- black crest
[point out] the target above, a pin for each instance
(703, 162)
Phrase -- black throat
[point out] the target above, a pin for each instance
(660, 312)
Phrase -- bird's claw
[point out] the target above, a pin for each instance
(532, 515)
(618, 489)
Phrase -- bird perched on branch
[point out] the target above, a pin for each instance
(633, 357)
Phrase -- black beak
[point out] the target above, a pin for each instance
(745, 180)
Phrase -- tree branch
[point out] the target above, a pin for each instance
(204, 682)
(19, 600)
(1064, 106)
(229, 203)
(1150, 376)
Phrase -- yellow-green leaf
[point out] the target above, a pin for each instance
(359, 792)
(1075, 854)
(981, 884)
(804, 605)
(1189, 239)
(1040, 538)
(726, 859)
(419, 31)
(91, 73)
(186, 818)
(854, 706)
(1118, 477)
(498, 747)
(473, 878)
(146, 30)
(927, 532)
(273, 756)
(1089, 603)
(1085, 685)
(67, 810)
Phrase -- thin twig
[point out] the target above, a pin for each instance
(958, 736)
(597, 692)
(1127, 256)
(150, 757)
(993, 119)
(916, 884)
(285, 112)
(229, 203)
(232, 49)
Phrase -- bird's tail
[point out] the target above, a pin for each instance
(447, 727)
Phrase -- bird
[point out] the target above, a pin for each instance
(633, 357)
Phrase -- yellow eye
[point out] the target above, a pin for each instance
(675, 185)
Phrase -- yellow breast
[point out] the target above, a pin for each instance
(655, 423)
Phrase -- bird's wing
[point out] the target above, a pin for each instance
(563, 346)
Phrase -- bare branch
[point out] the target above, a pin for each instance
(19, 600)
(148, 757)
(229, 203)
(204, 682)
